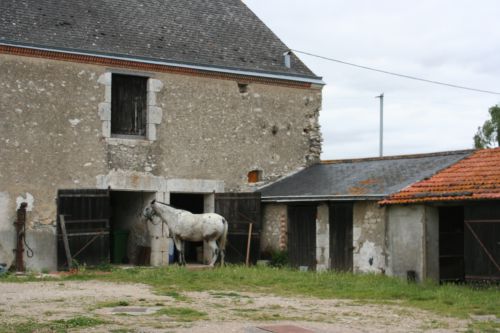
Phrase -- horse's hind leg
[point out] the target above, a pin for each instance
(215, 251)
(180, 248)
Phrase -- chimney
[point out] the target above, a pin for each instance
(287, 58)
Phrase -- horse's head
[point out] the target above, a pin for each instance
(149, 212)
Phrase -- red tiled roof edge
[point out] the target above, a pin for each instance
(476, 177)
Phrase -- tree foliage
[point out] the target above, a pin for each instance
(488, 135)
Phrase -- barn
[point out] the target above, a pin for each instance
(196, 103)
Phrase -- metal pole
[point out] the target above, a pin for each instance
(381, 139)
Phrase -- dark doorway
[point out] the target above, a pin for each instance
(302, 235)
(129, 241)
(341, 242)
(195, 204)
(451, 243)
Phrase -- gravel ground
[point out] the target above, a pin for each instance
(225, 311)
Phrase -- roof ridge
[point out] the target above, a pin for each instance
(396, 157)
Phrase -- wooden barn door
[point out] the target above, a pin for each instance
(240, 209)
(302, 235)
(341, 242)
(482, 241)
(482, 244)
(85, 213)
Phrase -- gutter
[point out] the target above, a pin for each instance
(316, 81)
(315, 198)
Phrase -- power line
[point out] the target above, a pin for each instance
(397, 74)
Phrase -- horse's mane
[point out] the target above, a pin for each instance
(168, 205)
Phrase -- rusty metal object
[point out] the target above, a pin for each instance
(20, 227)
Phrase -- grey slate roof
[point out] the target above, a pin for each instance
(359, 179)
(218, 33)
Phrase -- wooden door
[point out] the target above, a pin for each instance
(302, 235)
(86, 216)
(482, 241)
(241, 209)
(482, 249)
(341, 242)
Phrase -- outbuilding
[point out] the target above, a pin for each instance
(455, 216)
(327, 216)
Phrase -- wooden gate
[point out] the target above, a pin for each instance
(482, 249)
(341, 242)
(240, 209)
(85, 215)
(302, 235)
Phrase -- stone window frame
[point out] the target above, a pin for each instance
(154, 112)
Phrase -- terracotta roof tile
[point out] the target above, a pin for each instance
(476, 177)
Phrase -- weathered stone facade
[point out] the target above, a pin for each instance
(369, 238)
(51, 135)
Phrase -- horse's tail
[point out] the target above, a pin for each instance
(222, 242)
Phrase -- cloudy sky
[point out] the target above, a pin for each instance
(455, 41)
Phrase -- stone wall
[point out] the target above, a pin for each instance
(274, 224)
(369, 238)
(51, 133)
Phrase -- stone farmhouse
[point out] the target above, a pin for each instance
(105, 105)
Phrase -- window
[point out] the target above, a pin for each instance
(128, 105)
(254, 176)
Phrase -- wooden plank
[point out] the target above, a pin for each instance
(247, 261)
(65, 240)
(482, 221)
(78, 234)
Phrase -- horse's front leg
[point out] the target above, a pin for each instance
(183, 244)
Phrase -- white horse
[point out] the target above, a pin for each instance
(183, 225)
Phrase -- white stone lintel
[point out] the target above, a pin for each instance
(155, 85)
(105, 79)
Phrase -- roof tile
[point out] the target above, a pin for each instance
(476, 177)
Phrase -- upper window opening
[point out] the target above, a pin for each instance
(243, 87)
(128, 105)
(254, 176)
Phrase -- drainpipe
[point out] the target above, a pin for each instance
(20, 227)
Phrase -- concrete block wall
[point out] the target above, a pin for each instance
(412, 241)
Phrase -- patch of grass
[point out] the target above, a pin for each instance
(220, 294)
(57, 326)
(175, 295)
(455, 300)
(484, 326)
(182, 314)
(111, 304)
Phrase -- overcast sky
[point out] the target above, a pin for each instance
(454, 41)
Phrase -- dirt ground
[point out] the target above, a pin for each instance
(225, 311)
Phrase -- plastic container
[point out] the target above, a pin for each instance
(120, 239)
